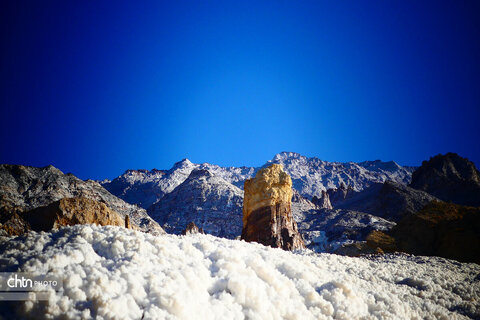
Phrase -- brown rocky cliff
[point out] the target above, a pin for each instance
(71, 211)
(267, 216)
(440, 229)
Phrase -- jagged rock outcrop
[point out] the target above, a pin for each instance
(204, 198)
(301, 206)
(340, 194)
(449, 177)
(192, 229)
(28, 188)
(71, 211)
(267, 216)
(389, 200)
(323, 202)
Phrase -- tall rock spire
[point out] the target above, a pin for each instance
(267, 216)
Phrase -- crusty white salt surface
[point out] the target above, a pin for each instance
(115, 273)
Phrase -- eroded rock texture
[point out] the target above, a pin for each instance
(71, 211)
(267, 216)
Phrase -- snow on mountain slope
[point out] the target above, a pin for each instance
(204, 198)
(327, 230)
(145, 187)
(309, 175)
(116, 273)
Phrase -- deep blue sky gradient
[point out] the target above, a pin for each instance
(97, 88)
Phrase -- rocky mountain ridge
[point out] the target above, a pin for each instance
(211, 196)
(205, 199)
(144, 188)
(27, 188)
(310, 176)
(200, 198)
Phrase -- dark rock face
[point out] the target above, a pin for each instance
(389, 200)
(356, 249)
(450, 178)
(377, 242)
(127, 222)
(340, 194)
(65, 212)
(267, 214)
(441, 229)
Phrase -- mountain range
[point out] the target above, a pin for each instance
(334, 204)
(211, 196)
(310, 176)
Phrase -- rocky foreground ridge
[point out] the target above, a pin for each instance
(24, 189)
(64, 212)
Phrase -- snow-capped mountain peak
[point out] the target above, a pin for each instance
(184, 163)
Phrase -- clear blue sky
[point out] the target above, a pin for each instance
(97, 88)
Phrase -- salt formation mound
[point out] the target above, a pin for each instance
(267, 210)
(117, 273)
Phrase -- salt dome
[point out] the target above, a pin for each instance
(116, 273)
